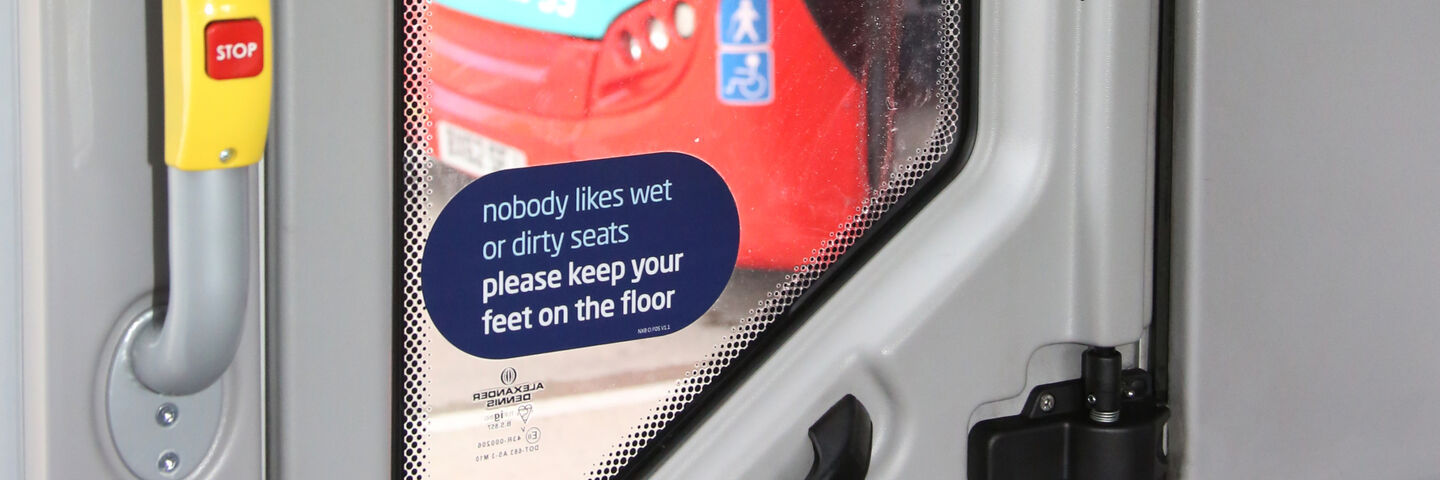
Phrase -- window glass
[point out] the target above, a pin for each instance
(818, 115)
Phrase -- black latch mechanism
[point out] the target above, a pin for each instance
(1105, 425)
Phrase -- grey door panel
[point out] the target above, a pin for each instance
(329, 234)
(89, 204)
(89, 248)
(86, 209)
(1305, 273)
(11, 435)
(1306, 268)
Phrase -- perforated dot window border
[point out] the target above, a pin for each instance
(415, 164)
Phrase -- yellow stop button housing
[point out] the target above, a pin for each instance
(218, 71)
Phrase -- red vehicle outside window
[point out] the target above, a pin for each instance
(531, 86)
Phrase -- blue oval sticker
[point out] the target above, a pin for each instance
(554, 257)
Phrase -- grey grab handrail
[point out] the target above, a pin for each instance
(209, 283)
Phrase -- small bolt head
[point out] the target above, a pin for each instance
(169, 462)
(167, 414)
(1129, 394)
(1047, 402)
(226, 155)
(1090, 399)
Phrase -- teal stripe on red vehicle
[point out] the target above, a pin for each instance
(577, 18)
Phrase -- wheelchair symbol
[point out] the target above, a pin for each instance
(745, 77)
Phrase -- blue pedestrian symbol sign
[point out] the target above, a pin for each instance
(746, 77)
(744, 23)
(745, 74)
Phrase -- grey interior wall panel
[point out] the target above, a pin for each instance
(1308, 240)
(330, 183)
(10, 411)
(89, 206)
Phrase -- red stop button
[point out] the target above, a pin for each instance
(234, 49)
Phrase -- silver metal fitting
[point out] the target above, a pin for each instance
(169, 462)
(167, 414)
(1105, 417)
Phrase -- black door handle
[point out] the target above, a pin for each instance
(841, 439)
